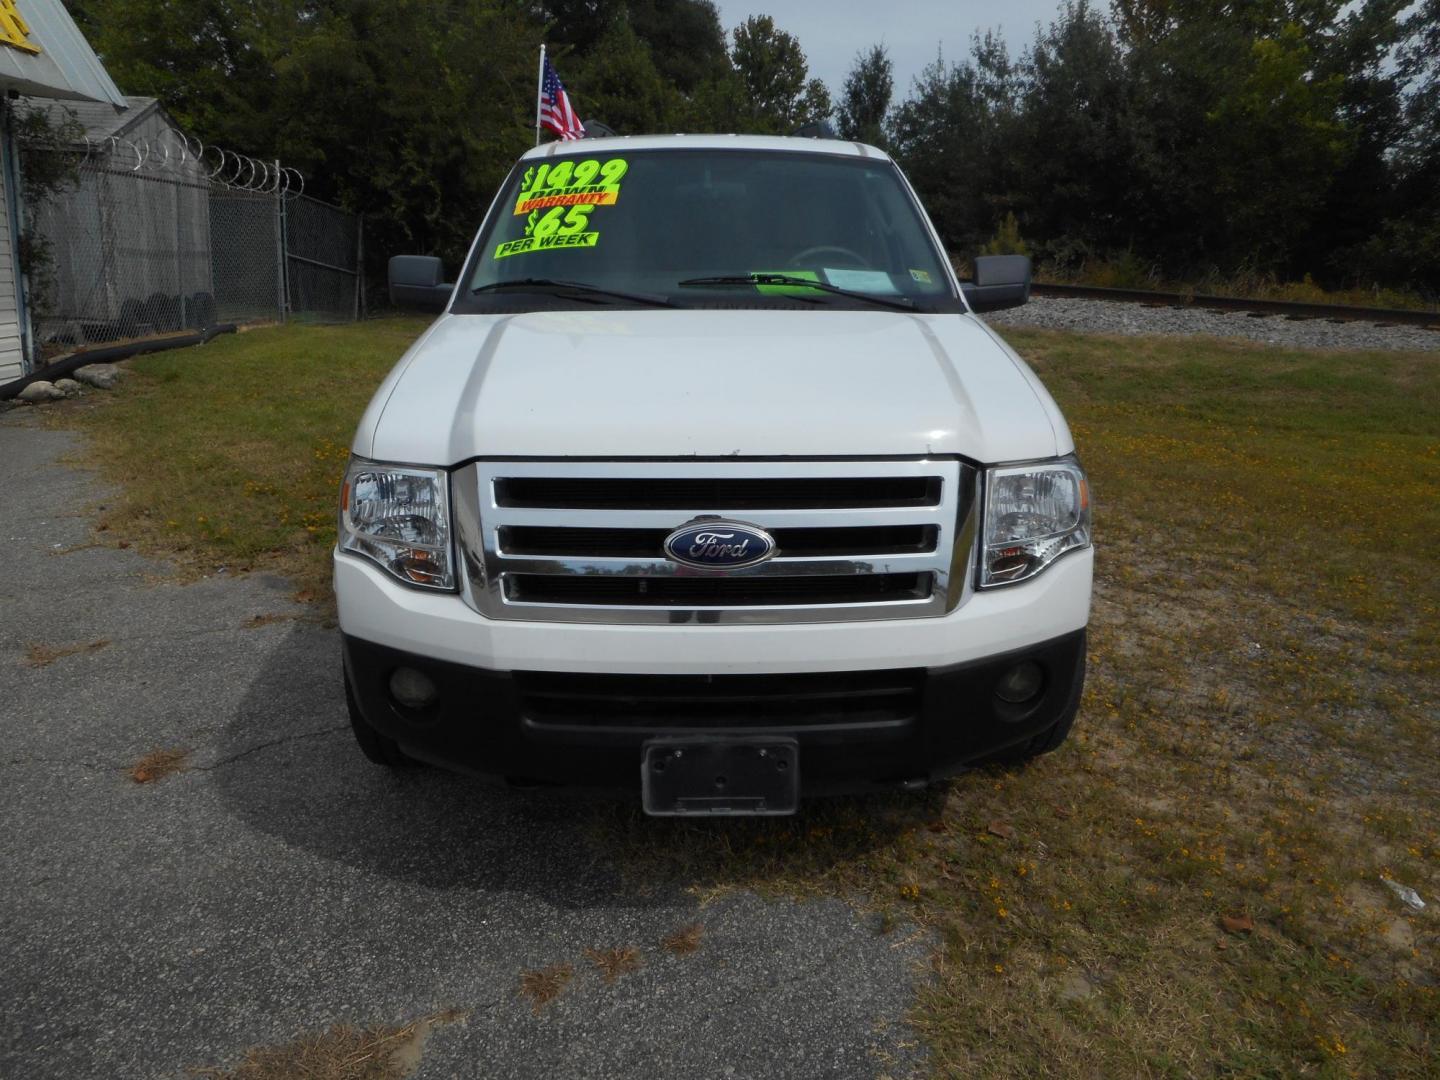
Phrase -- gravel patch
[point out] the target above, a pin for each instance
(1112, 317)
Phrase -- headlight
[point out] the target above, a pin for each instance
(1034, 513)
(400, 517)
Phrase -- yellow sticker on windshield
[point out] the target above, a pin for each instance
(922, 276)
(555, 229)
(571, 183)
(547, 243)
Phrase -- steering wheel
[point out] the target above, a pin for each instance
(809, 254)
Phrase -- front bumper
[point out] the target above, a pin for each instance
(375, 607)
(856, 729)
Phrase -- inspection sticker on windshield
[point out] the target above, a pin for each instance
(570, 183)
(871, 281)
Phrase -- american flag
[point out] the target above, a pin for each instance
(555, 111)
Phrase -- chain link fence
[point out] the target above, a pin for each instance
(126, 253)
(322, 259)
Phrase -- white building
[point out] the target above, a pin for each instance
(43, 54)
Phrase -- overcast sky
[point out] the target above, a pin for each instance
(832, 31)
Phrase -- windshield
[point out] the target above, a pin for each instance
(697, 228)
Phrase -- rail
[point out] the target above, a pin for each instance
(1289, 309)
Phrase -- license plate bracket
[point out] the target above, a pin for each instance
(720, 777)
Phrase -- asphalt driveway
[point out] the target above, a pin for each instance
(281, 884)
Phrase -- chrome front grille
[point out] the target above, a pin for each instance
(582, 541)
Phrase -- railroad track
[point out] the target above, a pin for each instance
(1429, 320)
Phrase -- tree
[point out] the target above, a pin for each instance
(209, 61)
(576, 25)
(1071, 138)
(865, 100)
(773, 73)
(421, 157)
(815, 106)
(687, 42)
(1407, 246)
(1273, 144)
(1238, 136)
(953, 135)
(619, 84)
(1359, 52)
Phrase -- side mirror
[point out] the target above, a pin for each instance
(415, 282)
(1001, 281)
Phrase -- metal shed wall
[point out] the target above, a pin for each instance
(156, 227)
(12, 356)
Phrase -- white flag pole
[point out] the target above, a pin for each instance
(539, 92)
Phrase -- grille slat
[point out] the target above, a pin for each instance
(720, 694)
(808, 701)
(649, 543)
(709, 592)
(738, 493)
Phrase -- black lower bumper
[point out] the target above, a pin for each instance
(855, 730)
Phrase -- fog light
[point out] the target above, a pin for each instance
(1021, 683)
(412, 689)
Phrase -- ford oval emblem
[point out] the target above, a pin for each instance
(716, 544)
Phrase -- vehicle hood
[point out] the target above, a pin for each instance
(709, 383)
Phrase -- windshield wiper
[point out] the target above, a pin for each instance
(903, 303)
(536, 284)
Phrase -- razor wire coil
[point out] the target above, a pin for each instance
(174, 150)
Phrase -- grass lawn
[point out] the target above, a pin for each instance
(1192, 885)
(231, 455)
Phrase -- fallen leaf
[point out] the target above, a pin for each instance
(1062, 811)
(1002, 830)
(1237, 924)
(1221, 944)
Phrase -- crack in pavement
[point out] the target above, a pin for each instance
(103, 767)
(268, 745)
(15, 763)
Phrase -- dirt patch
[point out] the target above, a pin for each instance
(684, 941)
(343, 1052)
(157, 765)
(545, 985)
(39, 655)
(613, 963)
(267, 619)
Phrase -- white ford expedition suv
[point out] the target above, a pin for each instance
(709, 482)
